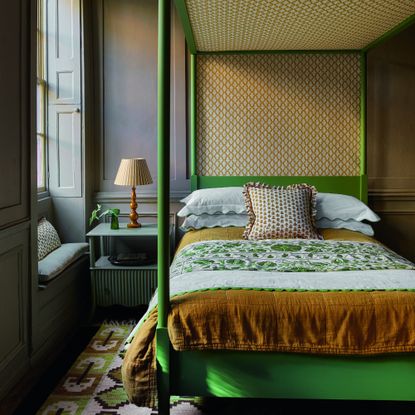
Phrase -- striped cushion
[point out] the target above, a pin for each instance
(280, 212)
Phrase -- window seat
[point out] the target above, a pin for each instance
(58, 260)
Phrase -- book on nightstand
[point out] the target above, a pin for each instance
(132, 259)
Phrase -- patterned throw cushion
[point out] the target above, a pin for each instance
(47, 238)
(280, 212)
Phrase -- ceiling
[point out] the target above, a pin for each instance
(237, 25)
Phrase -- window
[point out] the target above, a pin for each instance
(41, 100)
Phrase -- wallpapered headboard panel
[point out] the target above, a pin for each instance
(278, 115)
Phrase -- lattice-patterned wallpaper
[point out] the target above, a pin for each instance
(278, 114)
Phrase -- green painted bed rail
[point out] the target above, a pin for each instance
(187, 27)
(283, 52)
(349, 185)
(391, 33)
(193, 114)
(293, 376)
(163, 203)
(363, 106)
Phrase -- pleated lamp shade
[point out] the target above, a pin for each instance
(133, 172)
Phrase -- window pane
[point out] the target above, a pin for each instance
(40, 107)
(41, 171)
(41, 101)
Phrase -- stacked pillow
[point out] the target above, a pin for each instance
(208, 208)
(342, 211)
(226, 206)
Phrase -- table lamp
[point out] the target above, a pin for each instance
(133, 172)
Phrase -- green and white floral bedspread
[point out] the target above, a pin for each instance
(286, 256)
(286, 265)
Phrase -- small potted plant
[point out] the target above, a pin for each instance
(114, 212)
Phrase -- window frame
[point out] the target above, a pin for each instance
(41, 99)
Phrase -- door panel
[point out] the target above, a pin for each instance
(14, 104)
(14, 283)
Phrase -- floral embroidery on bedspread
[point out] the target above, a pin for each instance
(287, 255)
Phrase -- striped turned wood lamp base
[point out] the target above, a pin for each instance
(133, 213)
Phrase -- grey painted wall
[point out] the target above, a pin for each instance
(125, 43)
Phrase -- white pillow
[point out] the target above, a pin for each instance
(241, 220)
(350, 224)
(214, 200)
(344, 207)
(218, 220)
(230, 199)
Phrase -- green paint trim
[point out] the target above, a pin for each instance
(194, 182)
(187, 27)
(163, 160)
(349, 185)
(163, 370)
(391, 33)
(193, 113)
(363, 189)
(282, 52)
(363, 106)
(253, 374)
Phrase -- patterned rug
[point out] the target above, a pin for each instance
(93, 385)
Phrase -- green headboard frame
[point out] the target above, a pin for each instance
(350, 185)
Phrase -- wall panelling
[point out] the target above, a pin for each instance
(391, 140)
(125, 38)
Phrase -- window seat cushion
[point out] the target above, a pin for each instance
(59, 259)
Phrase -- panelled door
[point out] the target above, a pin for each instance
(15, 190)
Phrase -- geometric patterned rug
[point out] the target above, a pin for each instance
(93, 384)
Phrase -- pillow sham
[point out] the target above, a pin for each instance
(214, 200)
(230, 199)
(212, 221)
(280, 212)
(47, 238)
(344, 207)
(352, 225)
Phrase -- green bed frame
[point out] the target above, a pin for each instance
(254, 374)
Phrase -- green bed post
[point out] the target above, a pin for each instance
(193, 121)
(163, 205)
(363, 104)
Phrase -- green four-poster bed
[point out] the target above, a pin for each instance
(208, 27)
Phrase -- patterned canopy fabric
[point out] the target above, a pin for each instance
(219, 25)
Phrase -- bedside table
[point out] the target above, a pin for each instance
(122, 285)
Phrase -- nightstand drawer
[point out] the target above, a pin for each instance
(124, 286)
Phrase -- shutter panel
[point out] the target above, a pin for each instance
(64, 98)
